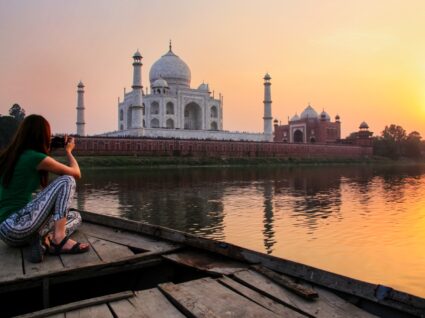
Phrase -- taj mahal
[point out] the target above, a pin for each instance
(172, 108)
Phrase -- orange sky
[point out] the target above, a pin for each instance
(364, 60)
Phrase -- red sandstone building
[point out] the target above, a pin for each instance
(309, 127)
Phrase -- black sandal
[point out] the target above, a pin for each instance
(57, 249)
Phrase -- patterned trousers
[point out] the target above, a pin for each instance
(50, 205)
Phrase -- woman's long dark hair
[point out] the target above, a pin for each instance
(33, 133)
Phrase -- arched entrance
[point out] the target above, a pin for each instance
(129, 117)
(298, 136)
(170, 123)
(214, 126)
(155, 123)
(192, 116)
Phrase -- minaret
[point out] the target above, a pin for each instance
(80, 110)
(137, 106)
(268, 132)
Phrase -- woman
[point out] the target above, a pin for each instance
(46, 219)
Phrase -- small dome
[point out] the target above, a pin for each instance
(267, 77)
(364, 125)
(80, 84)
(173, 69)
(337, 118)
(160, 83)
(204, 87)
(137, 55)
(295, 117)
(275, 121)
(325, 116)
(309, 112)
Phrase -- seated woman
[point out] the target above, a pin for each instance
(44, 222)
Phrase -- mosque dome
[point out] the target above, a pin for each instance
(325, 116)
(160, 83)
(309, 112)
(364, 125)
(295, 117)
(337, 118)
(171, 68)
(204, 87)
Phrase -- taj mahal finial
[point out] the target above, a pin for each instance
(170, 46)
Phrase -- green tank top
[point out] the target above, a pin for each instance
(25, 180)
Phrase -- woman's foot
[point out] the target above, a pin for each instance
(65, 245)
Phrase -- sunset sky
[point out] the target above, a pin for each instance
(364, 60)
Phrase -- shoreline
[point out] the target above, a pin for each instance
(126, 162)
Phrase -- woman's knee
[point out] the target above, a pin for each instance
(67, 179)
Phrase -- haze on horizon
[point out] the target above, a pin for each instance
(362, 60)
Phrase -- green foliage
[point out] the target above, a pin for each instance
(17, 112)
(8, 127)
(395, 143)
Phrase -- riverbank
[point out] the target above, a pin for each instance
(93, 162)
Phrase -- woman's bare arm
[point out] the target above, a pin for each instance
(54, 166)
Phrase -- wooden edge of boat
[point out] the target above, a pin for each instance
(378, 294)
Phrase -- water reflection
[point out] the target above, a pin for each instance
(338, 218)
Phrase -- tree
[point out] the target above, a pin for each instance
(394, 133)
(8, 127)
(17, 112)
(413, 145)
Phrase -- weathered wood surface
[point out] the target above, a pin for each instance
(213, 264)
(137, 241)
(87, 303)
(97, 311)
(50, 263)
(399, 300)
(207, 298)
(83, 259)
(287, 282)
(109, 251)
(149, 303)
(260, 299)
(10, 263)
(319, 307)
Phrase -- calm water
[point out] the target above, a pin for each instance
(364, 222)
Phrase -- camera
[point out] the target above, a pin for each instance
(57, 142)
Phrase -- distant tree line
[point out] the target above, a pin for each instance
(395, 143)
(9, 124)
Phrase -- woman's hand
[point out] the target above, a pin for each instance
(69, 144)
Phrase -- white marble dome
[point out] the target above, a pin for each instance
(204, 87)
(295, 117)
(172, 69)
(309, 112)
(160, 83)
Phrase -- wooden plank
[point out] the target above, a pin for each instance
(136, 241)
(260, 299)
(50, 263)
(286, 282)
(98, 311)
(214, 264)
(83, 259)
(146, 303)
(10, 263)
(57, 316)
(207, 298)
(317, 308)
(78, 305)
(397, 299)
(109, 251)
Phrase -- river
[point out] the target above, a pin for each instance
(366, 222)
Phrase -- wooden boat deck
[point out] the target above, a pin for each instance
(222, 287)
